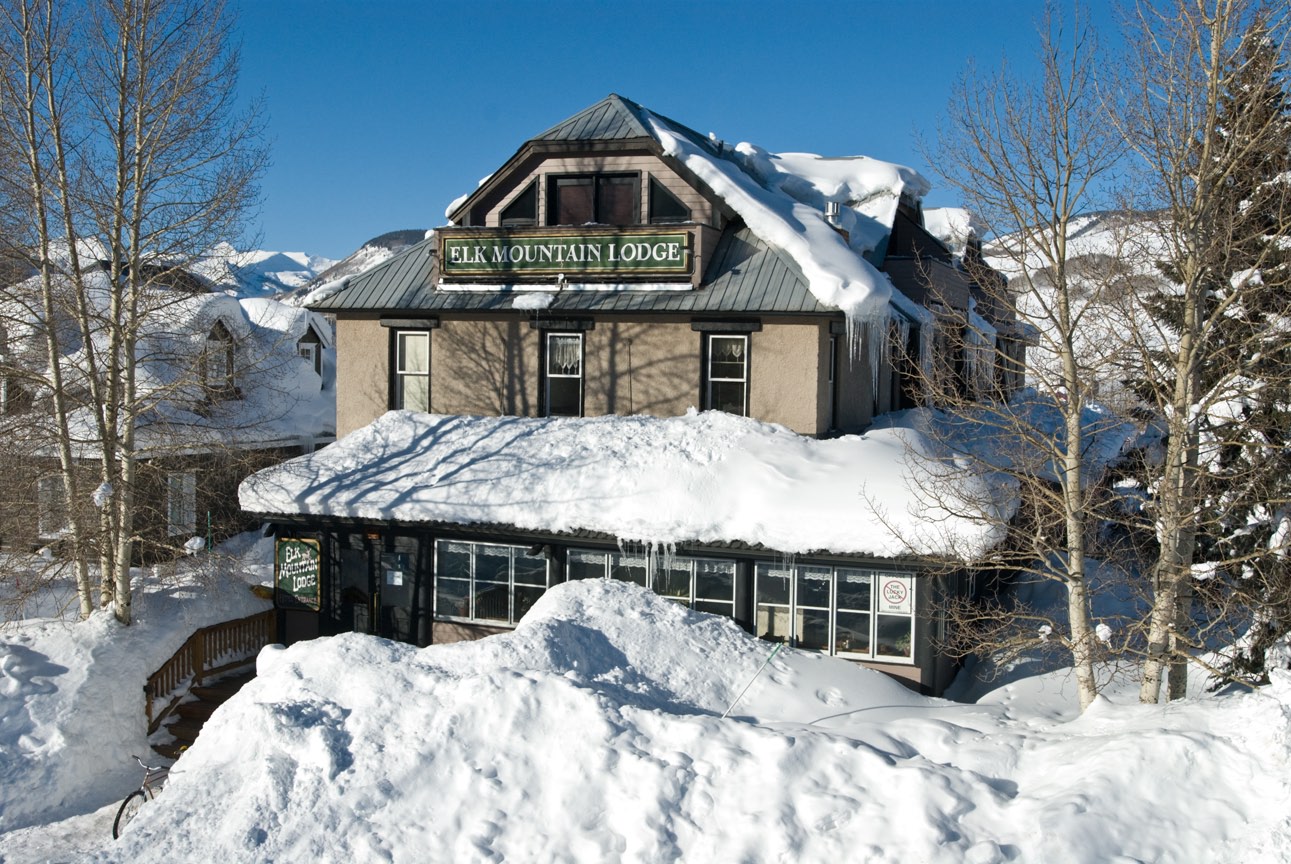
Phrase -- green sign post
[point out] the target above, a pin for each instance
(297, 566)
(659, 253)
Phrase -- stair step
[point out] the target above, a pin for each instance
(200, 710)
(184, 730)
(223, 688)
(171, 751)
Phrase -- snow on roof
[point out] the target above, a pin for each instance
(953, 226)
(704, 478)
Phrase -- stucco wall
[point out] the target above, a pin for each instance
(362, 373)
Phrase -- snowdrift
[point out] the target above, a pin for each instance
(593, 732)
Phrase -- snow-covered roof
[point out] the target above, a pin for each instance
(708, 478)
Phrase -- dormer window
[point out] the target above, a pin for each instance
(665, 207)
(217, 363)
(604, 199)
(523, 209)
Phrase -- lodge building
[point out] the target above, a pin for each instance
(622, 265)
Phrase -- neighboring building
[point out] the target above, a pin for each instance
(226, 386)
(622, 264)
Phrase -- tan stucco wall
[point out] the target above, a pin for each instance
(488, 367)
(786, 366)
(362, 370)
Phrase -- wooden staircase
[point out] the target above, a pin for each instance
(212, 665)
(193, 715)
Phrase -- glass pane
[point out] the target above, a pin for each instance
(892, 636)
(586, 565)
(726, 610)
(673, 581)
(453, 561)
(664, 206)
(616, 200)
(727, 396)
(493, 564)
(854, 589)
(629, 568)
(525, 597)
(813, 629)
(453, 597)
(524, 209)
(715, 580)
(773, 584)
(773, 623)
(414, 352)
(414, 393)
(530, 569)
(564, 397)
(813, 586)
(564, 355)
(852, 633)
(573, 204)
(492, 601)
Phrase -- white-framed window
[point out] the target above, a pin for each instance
(309, 350)
(487, 582)
(705, 584)
(848, 611)
(412, 370)
(181, 503)
(563, 375)
(726, 373)
(51, 506)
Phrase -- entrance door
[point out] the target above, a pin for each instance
(354, 586)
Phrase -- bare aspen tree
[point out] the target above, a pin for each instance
(1028, 158)
(1206, 341)
(131, 158)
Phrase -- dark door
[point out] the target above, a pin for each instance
(354, 586)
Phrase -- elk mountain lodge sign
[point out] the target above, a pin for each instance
(665, 253)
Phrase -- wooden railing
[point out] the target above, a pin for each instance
(209, 651)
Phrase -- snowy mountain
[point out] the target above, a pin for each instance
(369, 255)
(259, 273)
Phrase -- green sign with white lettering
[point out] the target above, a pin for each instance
(571, 254)
(297, 566)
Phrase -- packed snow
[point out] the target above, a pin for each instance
(595, 732)
(703, 477)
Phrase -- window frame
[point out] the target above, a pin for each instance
(596, 178)
(521, 221)
(791, 609)
(654, 567)
(48, 487)
(471, 617)
(398, 375)
(547, 375)
(652, 219)
(181, 503)
(218, 363)
(709, 379)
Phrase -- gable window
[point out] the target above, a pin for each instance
(605, 199)
(705, 584)
(726, 374)
(523, 209)
(563, 375)
(411, 385)
(487, 582)
(665, 207)
(217, 363)
(846, 611)
(51, 505)
(181, 503)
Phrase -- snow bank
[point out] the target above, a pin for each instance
(593, 732)
(707, 477)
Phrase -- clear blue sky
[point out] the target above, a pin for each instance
(382, 112)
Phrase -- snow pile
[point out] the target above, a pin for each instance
(593, 732)
(706, 477)
(71, 694)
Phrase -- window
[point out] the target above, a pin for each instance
(411, 370)
(726, 379)
(217, 363)
(51, 506)
(563, 375)
(836, 610)
(705, 584)
(665, 207)
(309, 350)
(523, 209)
(181, 503)
(487, 582)
(606, 199)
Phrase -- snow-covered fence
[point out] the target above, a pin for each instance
(209, 651)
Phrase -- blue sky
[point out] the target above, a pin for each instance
(380, 113)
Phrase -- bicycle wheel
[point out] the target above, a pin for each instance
(129, 808)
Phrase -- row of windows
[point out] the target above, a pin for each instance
(836, 610)
(726, 373)
(181, 504)
(602, 199)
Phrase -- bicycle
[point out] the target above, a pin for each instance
(153, 775)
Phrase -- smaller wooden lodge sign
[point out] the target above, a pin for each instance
(297, 566)
(573, 254)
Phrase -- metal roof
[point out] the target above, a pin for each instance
(608, 120)
(745, 276)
